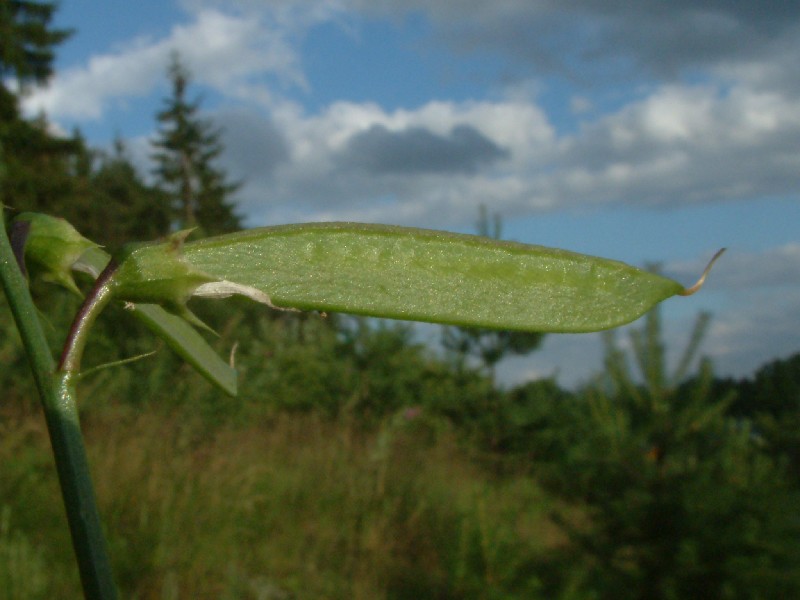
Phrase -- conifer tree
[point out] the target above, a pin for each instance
(186, 150)
(36, 164)
(27, 41)
(121, 207)
(679, 500)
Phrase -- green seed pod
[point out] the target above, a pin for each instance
(425, 275)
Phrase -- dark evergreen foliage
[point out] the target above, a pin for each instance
(186, 150)
(771, 401)
(680, 499)
(27, 41)
(120, 206)
(37, 164)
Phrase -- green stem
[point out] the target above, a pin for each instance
(57, 392)
(95, 302)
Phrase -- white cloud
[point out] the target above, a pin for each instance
(318, 180)
(677, 146)
(580, 105)
(683, 145)
(229, 53)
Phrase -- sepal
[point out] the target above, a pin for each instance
(156, 273)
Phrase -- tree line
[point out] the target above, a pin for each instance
(102, 193)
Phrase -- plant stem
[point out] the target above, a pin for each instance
(57, 393)
(95, 302)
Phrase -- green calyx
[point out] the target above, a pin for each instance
(52, 244)
(157, 273)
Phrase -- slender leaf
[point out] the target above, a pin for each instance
(188, 344)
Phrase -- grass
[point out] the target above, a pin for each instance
(290, 506)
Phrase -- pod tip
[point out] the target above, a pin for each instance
(691, 290)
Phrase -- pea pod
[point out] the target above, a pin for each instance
(376, 270)
(424, 275)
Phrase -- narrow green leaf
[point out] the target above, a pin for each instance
(425, 275)
(188, 344)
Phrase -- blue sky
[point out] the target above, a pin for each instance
(643, 132)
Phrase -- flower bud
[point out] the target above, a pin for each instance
(54, 245)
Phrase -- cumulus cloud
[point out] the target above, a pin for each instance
(672, 144)
(231, 53)
(254, 146)
(435, 163)
(676, 146)
(683, 145)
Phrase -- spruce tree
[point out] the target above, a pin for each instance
(121, 207)
(27, 41)
(37, 165)
(186, 150)
(677, 499)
